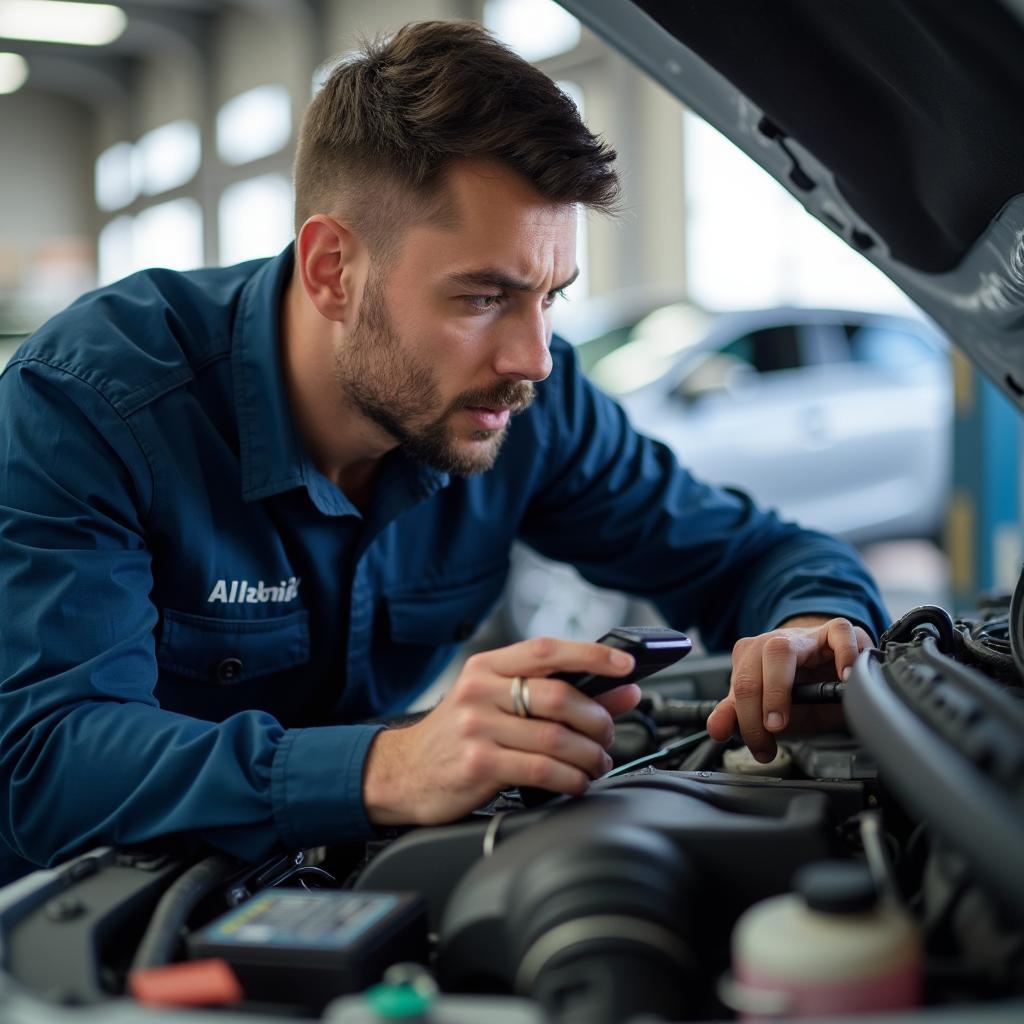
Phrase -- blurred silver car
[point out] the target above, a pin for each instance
(839, 419)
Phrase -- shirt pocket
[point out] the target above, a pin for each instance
(445, 614)
(230, 651)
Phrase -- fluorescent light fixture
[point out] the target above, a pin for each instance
(13, 72)
(54, 21)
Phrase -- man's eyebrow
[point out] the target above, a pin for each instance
(492, 278)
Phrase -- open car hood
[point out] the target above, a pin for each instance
(896, 124)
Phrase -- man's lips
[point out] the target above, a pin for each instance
(484, 418)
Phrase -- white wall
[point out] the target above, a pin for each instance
(46, 141)
(47, 215)
(47, 178)
(350, 20)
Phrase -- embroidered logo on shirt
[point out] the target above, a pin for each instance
(244, 592)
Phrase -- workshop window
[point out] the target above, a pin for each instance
(750, 244)
(116, 250)
(254, 124)
(170, 235)
(114, 177)
(254, 218)
(167, 157)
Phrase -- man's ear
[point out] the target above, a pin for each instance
(329, 257)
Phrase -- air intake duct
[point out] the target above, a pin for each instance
(591, 921)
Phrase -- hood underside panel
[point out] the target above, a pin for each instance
(916, 106)
(897, 123)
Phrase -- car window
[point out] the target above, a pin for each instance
(887, 347)
(767, 350)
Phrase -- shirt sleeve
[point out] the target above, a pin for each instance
(87, 755)
(620, 507)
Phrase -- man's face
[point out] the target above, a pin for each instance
(454, 330)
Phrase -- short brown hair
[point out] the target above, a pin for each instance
(390, 119)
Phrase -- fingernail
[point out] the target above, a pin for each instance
(774, 720)
(620, 659)
(846, 673)
(763, 756)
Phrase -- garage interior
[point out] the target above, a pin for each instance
(172, 145)
(85, 118)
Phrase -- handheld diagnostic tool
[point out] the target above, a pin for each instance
(652, 647)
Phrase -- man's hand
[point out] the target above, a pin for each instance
(807, 649)
(473, 743)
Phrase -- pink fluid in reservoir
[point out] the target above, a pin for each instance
(893, 990)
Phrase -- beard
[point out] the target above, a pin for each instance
(402, 396)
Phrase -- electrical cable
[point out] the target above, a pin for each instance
(669, 748)
(879, 864)
(926, 618)
(164, 930)
(668, 711)
(988, 645)
(704, 756)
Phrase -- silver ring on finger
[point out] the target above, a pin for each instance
(521, 697)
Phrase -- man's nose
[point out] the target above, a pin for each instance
(523, 351)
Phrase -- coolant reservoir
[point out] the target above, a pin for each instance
(830, 947)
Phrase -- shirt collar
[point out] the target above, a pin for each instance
(273, 457)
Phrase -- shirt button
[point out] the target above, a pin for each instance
(229, 670)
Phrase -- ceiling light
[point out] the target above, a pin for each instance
(13, 72)
(53, 21)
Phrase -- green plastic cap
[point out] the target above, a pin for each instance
(398, 1002)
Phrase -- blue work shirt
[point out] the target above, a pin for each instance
(195, 621)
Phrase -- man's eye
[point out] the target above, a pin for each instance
(482, 303)
(549, 299)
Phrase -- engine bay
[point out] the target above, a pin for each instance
(648, 899)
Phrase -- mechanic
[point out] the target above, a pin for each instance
(245, 510)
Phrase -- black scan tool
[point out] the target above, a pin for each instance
(652, 647)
